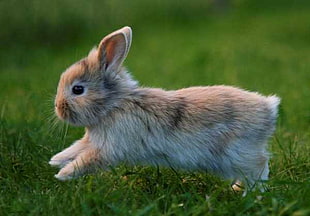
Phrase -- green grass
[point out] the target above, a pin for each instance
(257, 48)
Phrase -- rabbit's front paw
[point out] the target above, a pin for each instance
(60, 160)
(67, 173)
(85, 162)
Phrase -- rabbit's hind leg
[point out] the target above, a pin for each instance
(263, 177)
(258, 176)
(250, 168)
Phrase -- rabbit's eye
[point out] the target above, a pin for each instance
(77, 89)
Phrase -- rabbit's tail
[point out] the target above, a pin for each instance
(273, 102)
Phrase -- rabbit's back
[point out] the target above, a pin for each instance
(210, 108)
(239, 110)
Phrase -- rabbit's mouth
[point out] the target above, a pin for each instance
(62, 111)
(61, 114)
(69, 116)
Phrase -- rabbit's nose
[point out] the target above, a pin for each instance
(56, 105)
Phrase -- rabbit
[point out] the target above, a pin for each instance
(221, 129)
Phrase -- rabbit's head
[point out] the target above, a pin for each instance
(91, 87)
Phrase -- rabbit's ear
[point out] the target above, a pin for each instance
(114, 48)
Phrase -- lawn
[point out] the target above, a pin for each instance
(257, 45)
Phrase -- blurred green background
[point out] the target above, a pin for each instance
(261, 46)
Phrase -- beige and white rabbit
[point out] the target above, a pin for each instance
(220, 129)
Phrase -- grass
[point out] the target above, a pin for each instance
(265, 50)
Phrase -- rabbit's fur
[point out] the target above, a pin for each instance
(220, 129)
